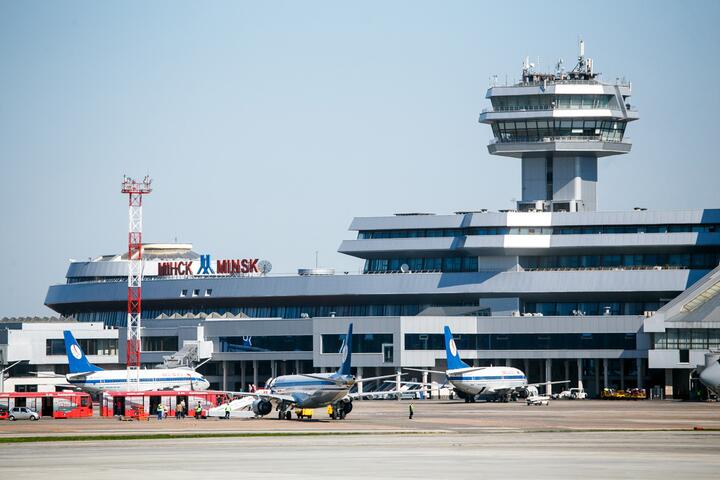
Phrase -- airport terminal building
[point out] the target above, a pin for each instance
(554, 287)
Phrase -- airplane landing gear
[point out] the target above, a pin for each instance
(283, 412)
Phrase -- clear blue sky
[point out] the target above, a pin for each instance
(268, 125)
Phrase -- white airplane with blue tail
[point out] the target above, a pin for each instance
(314, 390)
(91, 378)
(469, 382)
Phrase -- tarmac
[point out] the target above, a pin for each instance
(567, 439)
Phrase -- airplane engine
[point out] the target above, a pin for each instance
(531, 391)
(261, 407)
(347, 406)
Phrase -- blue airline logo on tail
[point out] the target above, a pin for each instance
(77, 362)
(346, 352)
(453, 359)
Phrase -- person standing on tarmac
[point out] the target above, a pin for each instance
(411, 408)
(160, 412)
(198, 411)
(183, 412)
(227, 411)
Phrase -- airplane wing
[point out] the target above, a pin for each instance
(368, 379)
(433, 385)
(423, 370)
(336, 381)
(267, 396)
(540, 384)
(356, 395)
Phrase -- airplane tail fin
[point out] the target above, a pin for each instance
(77, 361)
(346, 352)
(451, 351)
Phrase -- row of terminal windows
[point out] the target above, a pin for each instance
(91, 346)
(432, 264)
(674, 260)
(525, 341)
(361, 342)
(570, 230)
(536, 130)
(548, 102)
(119, 318)
(591, 308)
(702, 261)
(287, 343)
(687, 339)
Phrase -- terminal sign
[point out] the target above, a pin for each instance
(242, 266)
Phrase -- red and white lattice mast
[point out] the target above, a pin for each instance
(135, 191)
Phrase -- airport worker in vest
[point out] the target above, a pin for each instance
(160, 412)
(198, 411)
(227, 411)
(411, 408)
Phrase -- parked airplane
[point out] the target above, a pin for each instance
(469, 382)
(315, 390)
(92, 378)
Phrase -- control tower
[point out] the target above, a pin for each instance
(559, 124)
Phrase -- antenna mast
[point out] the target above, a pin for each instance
(135, 191)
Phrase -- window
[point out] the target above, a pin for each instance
(196, 292)
(183, 293)
(54, 346)
(362, 342)
(208, 292)
(279, 343)
(160, 344)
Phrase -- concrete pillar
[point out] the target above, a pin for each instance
(580, 372)
(639, 372)
(526, 367)
(297, 367)
(426, 388)
(475, 362)
(359, 380)
(243, 382)
(548, 376)
(597, 376)
(397, 382)
(273, 368)
(224, 375)
(567, 374)
(605, 372)
(622, 374)
(668, 383)
(508, 362)
(255, 373)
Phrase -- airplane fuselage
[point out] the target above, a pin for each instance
(152, 379)
(311, 392)
(486, 381)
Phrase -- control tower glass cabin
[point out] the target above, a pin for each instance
(559, 124)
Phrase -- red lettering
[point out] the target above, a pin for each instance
(252, 265)
(244, 264)
(222, 266)
(236, 266)
(188, 268)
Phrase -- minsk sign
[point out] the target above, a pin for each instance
(206, 266)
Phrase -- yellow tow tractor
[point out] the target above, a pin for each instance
(301, 413)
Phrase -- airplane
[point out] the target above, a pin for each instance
(315, 390)
(93, 379)
(502, 383)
